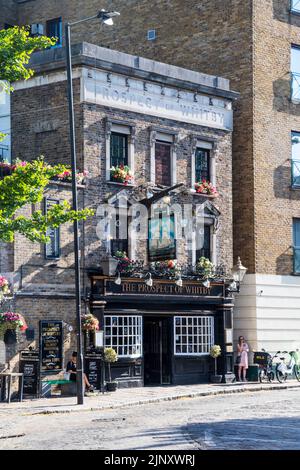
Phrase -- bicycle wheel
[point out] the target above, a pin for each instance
(280, 376)
(297, 372)
(271, 376)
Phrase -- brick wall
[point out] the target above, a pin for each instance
(8, 13)
(209, 36)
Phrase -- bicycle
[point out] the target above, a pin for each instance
(283, 370)
(265, 363)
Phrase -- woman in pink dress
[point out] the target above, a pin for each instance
(243, 350)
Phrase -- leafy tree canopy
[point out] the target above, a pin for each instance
(26, 185)
(16, 47)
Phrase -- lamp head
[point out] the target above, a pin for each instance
(207, 283)
(118, 281)
(239, 271)
(107, 16)
(149, 282)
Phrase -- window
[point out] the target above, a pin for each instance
(151, 35)
(295, 73)
(124, 334)
(161, 240)
(118, 149)
(296, 236)
(203, 242)
(54, 29)
(193, 335)
(296, 159)
(202, 165)
(163, 163)
(295, 6)
(52, 249)
(5, 125)
(118, 242)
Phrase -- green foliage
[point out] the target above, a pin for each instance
(215, 351)
(110, 355)
(26, 185)
(16, 47)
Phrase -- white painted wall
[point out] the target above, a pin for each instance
(267, 312)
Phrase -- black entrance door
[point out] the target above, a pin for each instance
(157, 350)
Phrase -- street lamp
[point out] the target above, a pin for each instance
(105, 17)
(238, 274)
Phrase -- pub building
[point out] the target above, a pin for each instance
(170, 130)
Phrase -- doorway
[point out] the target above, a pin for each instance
(157, 350)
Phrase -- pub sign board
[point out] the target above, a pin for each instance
(51, 345)
(93, 370)
(138, 287)
(31, 372)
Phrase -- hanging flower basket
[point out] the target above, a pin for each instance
(89, 322)
(11, 321)
(205, 187)
(4, 287)
(121, 174)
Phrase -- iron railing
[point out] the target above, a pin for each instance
(295, 173)
(296, 259)
(295, 86)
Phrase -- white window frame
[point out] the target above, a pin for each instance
(125, 129)
(206, 321)
(138, 332)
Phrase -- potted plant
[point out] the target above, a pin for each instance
(215, 352)
(121, 174)
(205, 267)
(110, 356)
(206, 187)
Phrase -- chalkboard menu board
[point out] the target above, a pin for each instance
(51, 345)
(93, 370)
(30, 367)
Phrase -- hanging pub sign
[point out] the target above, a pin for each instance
(51, 345)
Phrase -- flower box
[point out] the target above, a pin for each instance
(121, 174)
(206, 188)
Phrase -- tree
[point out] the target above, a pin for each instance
(16, 47)
(27, 181)
(26, 185)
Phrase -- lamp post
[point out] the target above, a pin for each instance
(106, 18)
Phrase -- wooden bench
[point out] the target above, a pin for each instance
(68, 388)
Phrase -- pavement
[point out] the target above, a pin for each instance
(129, 397)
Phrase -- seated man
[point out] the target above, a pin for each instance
(72, 369)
